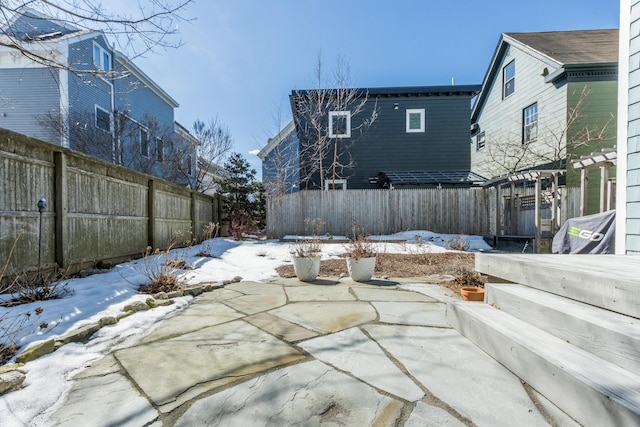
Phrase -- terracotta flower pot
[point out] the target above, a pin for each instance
(472, 294)
(306, 268)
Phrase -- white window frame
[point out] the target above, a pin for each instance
(506, 81)
(530, 123)
(347, 115)
(422, 120)
(99, 62)
(336, 183)
(145, 153)
(97, 107)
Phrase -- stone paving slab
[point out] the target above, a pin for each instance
(193, 318)
(352, 351)
(425, 415)
(288, 331)
(217, 355)
(377, 294)
(252, 304)
(105, 400)
(326, 317)
(436, 292)
(307, 394)
(412, 313)
(460, 374)
(319, 293)
(255, 288)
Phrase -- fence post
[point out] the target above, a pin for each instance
(151, 213)
(61, 208)
(194, 217)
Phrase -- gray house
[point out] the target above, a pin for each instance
(90, 98)
(281, 162)
(381, 138)
(547, 99)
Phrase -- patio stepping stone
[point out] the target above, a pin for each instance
(310, 393)
(326, 317)
(412, 313)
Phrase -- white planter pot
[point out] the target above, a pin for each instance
(306, 269)
(361, 270)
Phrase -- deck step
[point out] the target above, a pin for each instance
(590, 389)
(611, 336)
(607, 281)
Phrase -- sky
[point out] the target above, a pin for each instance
(241, 59)
(101, 295)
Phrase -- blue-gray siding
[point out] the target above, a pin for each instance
(633, 145)
(27, 94)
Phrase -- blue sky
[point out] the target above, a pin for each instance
(242, 58)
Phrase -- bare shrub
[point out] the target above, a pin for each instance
(361, 247)
(210, 231)
(458, 243)
(11, 325)
(241, 224)
(162, 269)
(468, 279)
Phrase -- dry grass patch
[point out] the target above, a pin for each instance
(405, 266)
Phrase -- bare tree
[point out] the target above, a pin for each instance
(553, 145)
(143, 26)
(326, 139)
(214, 144)
(282, 162)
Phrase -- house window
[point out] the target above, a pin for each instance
(101, 58)
(335, 184)
(159, 150)
(188, 165)
(509, 79)
(103, 119)
(340, 124)
(480, 141)
(415, 120)
(530, 123)
(144, 143)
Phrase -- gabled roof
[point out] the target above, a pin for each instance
(30, 26)
(276, 140)
(560, 50)
(573, 47)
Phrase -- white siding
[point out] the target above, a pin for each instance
(501, 119)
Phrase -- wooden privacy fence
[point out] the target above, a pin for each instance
(464, 211)
(470, 211)
(96, 211)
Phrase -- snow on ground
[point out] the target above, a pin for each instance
(102, 295)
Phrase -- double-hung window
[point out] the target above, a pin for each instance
(159, 150)
(101, 58)
(415, 120)
(144, 143)
(508, 79)
(480, 142)
(530, 123)
(340, 124)
(103, 119)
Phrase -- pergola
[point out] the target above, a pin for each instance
(550, 225)
(604, 161)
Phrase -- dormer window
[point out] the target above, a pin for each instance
(101, 58)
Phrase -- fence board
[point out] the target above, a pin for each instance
(470, 211)
(104, 212)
